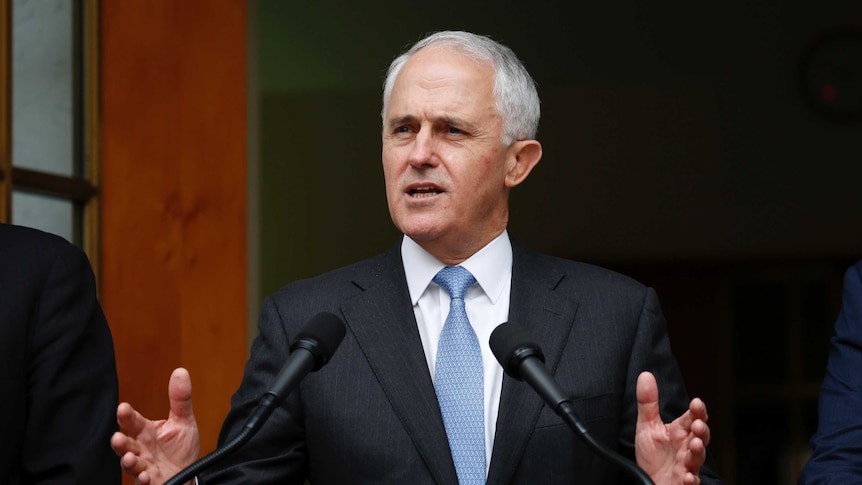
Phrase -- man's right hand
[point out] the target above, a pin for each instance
(154, 451)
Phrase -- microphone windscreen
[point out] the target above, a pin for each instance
(511, 345)
(504, 340)
(326, 331)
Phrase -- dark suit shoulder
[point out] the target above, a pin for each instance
(26, 253)
(854, 272)
(581, 277)
(361, 273)
(599, 275)
(25, 238)
(29, 255)
(304, 298)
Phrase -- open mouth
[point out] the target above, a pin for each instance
(423, 192)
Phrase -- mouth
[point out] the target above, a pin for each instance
(423, 191)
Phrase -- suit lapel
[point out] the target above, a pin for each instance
(382, 321)
(547, 315)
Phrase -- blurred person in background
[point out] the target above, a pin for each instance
(57, 368)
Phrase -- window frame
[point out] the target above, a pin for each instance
(82, 189)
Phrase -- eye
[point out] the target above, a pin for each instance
(403, 129)
(455, 131)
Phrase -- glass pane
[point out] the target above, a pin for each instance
(42, 85)
(49, 214)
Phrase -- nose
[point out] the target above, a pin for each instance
(422, 153)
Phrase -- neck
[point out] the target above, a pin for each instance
(455, 254)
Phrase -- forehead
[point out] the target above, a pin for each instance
(444, 78)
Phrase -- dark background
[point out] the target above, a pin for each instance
(680, 148)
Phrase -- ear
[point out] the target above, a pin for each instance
(523, 156)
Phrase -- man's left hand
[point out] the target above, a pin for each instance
(671, 453)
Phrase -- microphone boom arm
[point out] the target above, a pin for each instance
(524, 360)
(314, 346)
(265, 407)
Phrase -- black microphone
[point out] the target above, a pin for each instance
(314, 345)
(523, 359)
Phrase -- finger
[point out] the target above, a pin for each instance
(180, 394)
(143, 479)
(131, 464)
(130, 421)
(696, 455)
(698, 409)
(702, 431)
(647, 395)
(122, 444)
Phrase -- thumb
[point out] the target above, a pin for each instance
(647, 393)
(180, 395)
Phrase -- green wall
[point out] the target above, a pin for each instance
(670, 132)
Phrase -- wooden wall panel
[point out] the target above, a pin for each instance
(173, 142)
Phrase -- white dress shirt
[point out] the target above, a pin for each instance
(487, 305)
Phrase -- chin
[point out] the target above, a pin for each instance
(421, 236)
(419, 226)
(421, 232)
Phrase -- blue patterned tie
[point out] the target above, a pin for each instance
(459, 381)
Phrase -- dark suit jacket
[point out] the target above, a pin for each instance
(371, 416)
(57, 369)
(837, 456)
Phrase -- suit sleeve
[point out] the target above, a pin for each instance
(837, 456)
(652, 352)
(72, 379)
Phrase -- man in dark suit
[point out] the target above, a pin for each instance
(837, 456)
(459, 120)
(57, 365)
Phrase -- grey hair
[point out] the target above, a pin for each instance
(516, 98)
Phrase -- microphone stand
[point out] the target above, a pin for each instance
(318, 339)
(265, 407)
(523, 360)
(566, 411)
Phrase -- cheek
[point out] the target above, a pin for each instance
(390, 189)
(391, 171)
(486, 163)
(488, 184)
(490, 173)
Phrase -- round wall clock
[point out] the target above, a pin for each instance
(831, 75)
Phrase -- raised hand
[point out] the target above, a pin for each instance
(154, 451)
(671, 453)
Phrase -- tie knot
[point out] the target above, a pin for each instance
(455, 280)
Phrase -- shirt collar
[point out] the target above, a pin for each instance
(491, 266)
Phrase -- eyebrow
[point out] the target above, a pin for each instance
(447, 120)
(401, 120)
